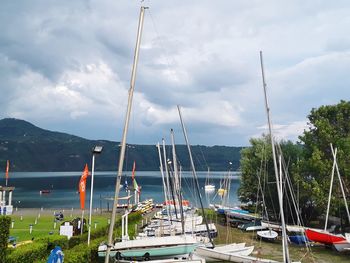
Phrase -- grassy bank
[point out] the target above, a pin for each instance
(273, 250)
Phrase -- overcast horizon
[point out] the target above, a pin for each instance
(66, 66)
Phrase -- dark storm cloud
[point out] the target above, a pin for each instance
(63, 63)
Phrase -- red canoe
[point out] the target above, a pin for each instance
(323, 237)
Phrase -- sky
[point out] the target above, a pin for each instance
(66, 66)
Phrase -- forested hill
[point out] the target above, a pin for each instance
(30, 148)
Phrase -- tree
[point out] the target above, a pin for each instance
(327, 124)
(5, 222)
(257, 164)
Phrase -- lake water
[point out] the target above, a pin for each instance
(64, 187)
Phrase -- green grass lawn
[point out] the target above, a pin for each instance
(273, 250)
(45, 225)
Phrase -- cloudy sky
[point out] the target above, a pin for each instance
(66, 66)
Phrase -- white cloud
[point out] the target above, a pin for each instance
(289, 131)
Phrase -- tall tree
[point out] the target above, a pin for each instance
(327, 124)
(257, 164)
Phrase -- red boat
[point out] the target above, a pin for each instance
(44, 192)
(323, 237)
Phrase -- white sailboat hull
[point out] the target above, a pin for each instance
(239, 256)
(267, 234)
(153, 247)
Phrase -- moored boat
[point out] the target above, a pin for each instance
(269, 235)
(323, 237)
(341, 246)
(151, 247)
(298, 239)
(240, 254)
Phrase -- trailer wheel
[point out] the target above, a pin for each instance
(146, 256)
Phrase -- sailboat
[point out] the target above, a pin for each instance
(147, 248)
(286, 257)
(324, 236)
(208, 186)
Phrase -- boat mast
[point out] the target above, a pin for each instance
(286, 258)
(167, 179)
(163, 179)
(195, 176)
(125, 132)
(341, 185)
(177, 182)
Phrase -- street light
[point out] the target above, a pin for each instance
(96, 150)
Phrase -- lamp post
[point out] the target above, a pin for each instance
(96, 150)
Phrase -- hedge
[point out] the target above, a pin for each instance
(83, 253)
(54, 240)
(28, 253)
(5, 222)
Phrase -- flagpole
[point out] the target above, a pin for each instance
(91, 195)
(82, 222)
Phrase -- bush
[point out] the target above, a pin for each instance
(5, 222)
(54, 240)
(83, 253)
(28, 253)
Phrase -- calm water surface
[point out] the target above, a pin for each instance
(64, 186)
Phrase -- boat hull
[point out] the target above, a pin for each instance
(152, 252)
(267, 234)
(149, 248)
(239, 256)
(342, 246)
(298, 239)
(323, 237)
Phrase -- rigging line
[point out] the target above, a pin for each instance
(158, 38)
(206, 163)
(290, 188)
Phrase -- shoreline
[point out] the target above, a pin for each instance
(51, 211)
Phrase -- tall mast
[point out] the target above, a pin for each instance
(286, 258)
(167, 178)
(330, 187)
(163, 179)
(341, 184)
(125, 132)
(177, 182)
(195, 177)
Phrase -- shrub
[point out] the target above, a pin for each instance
(5, 222)
(54, 240)
(28, 253)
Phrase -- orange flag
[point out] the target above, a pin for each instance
(82, 186)
(7, 169)
(133, 171)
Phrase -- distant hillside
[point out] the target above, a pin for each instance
(30, 148)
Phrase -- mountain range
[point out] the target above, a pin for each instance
(30, 148)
